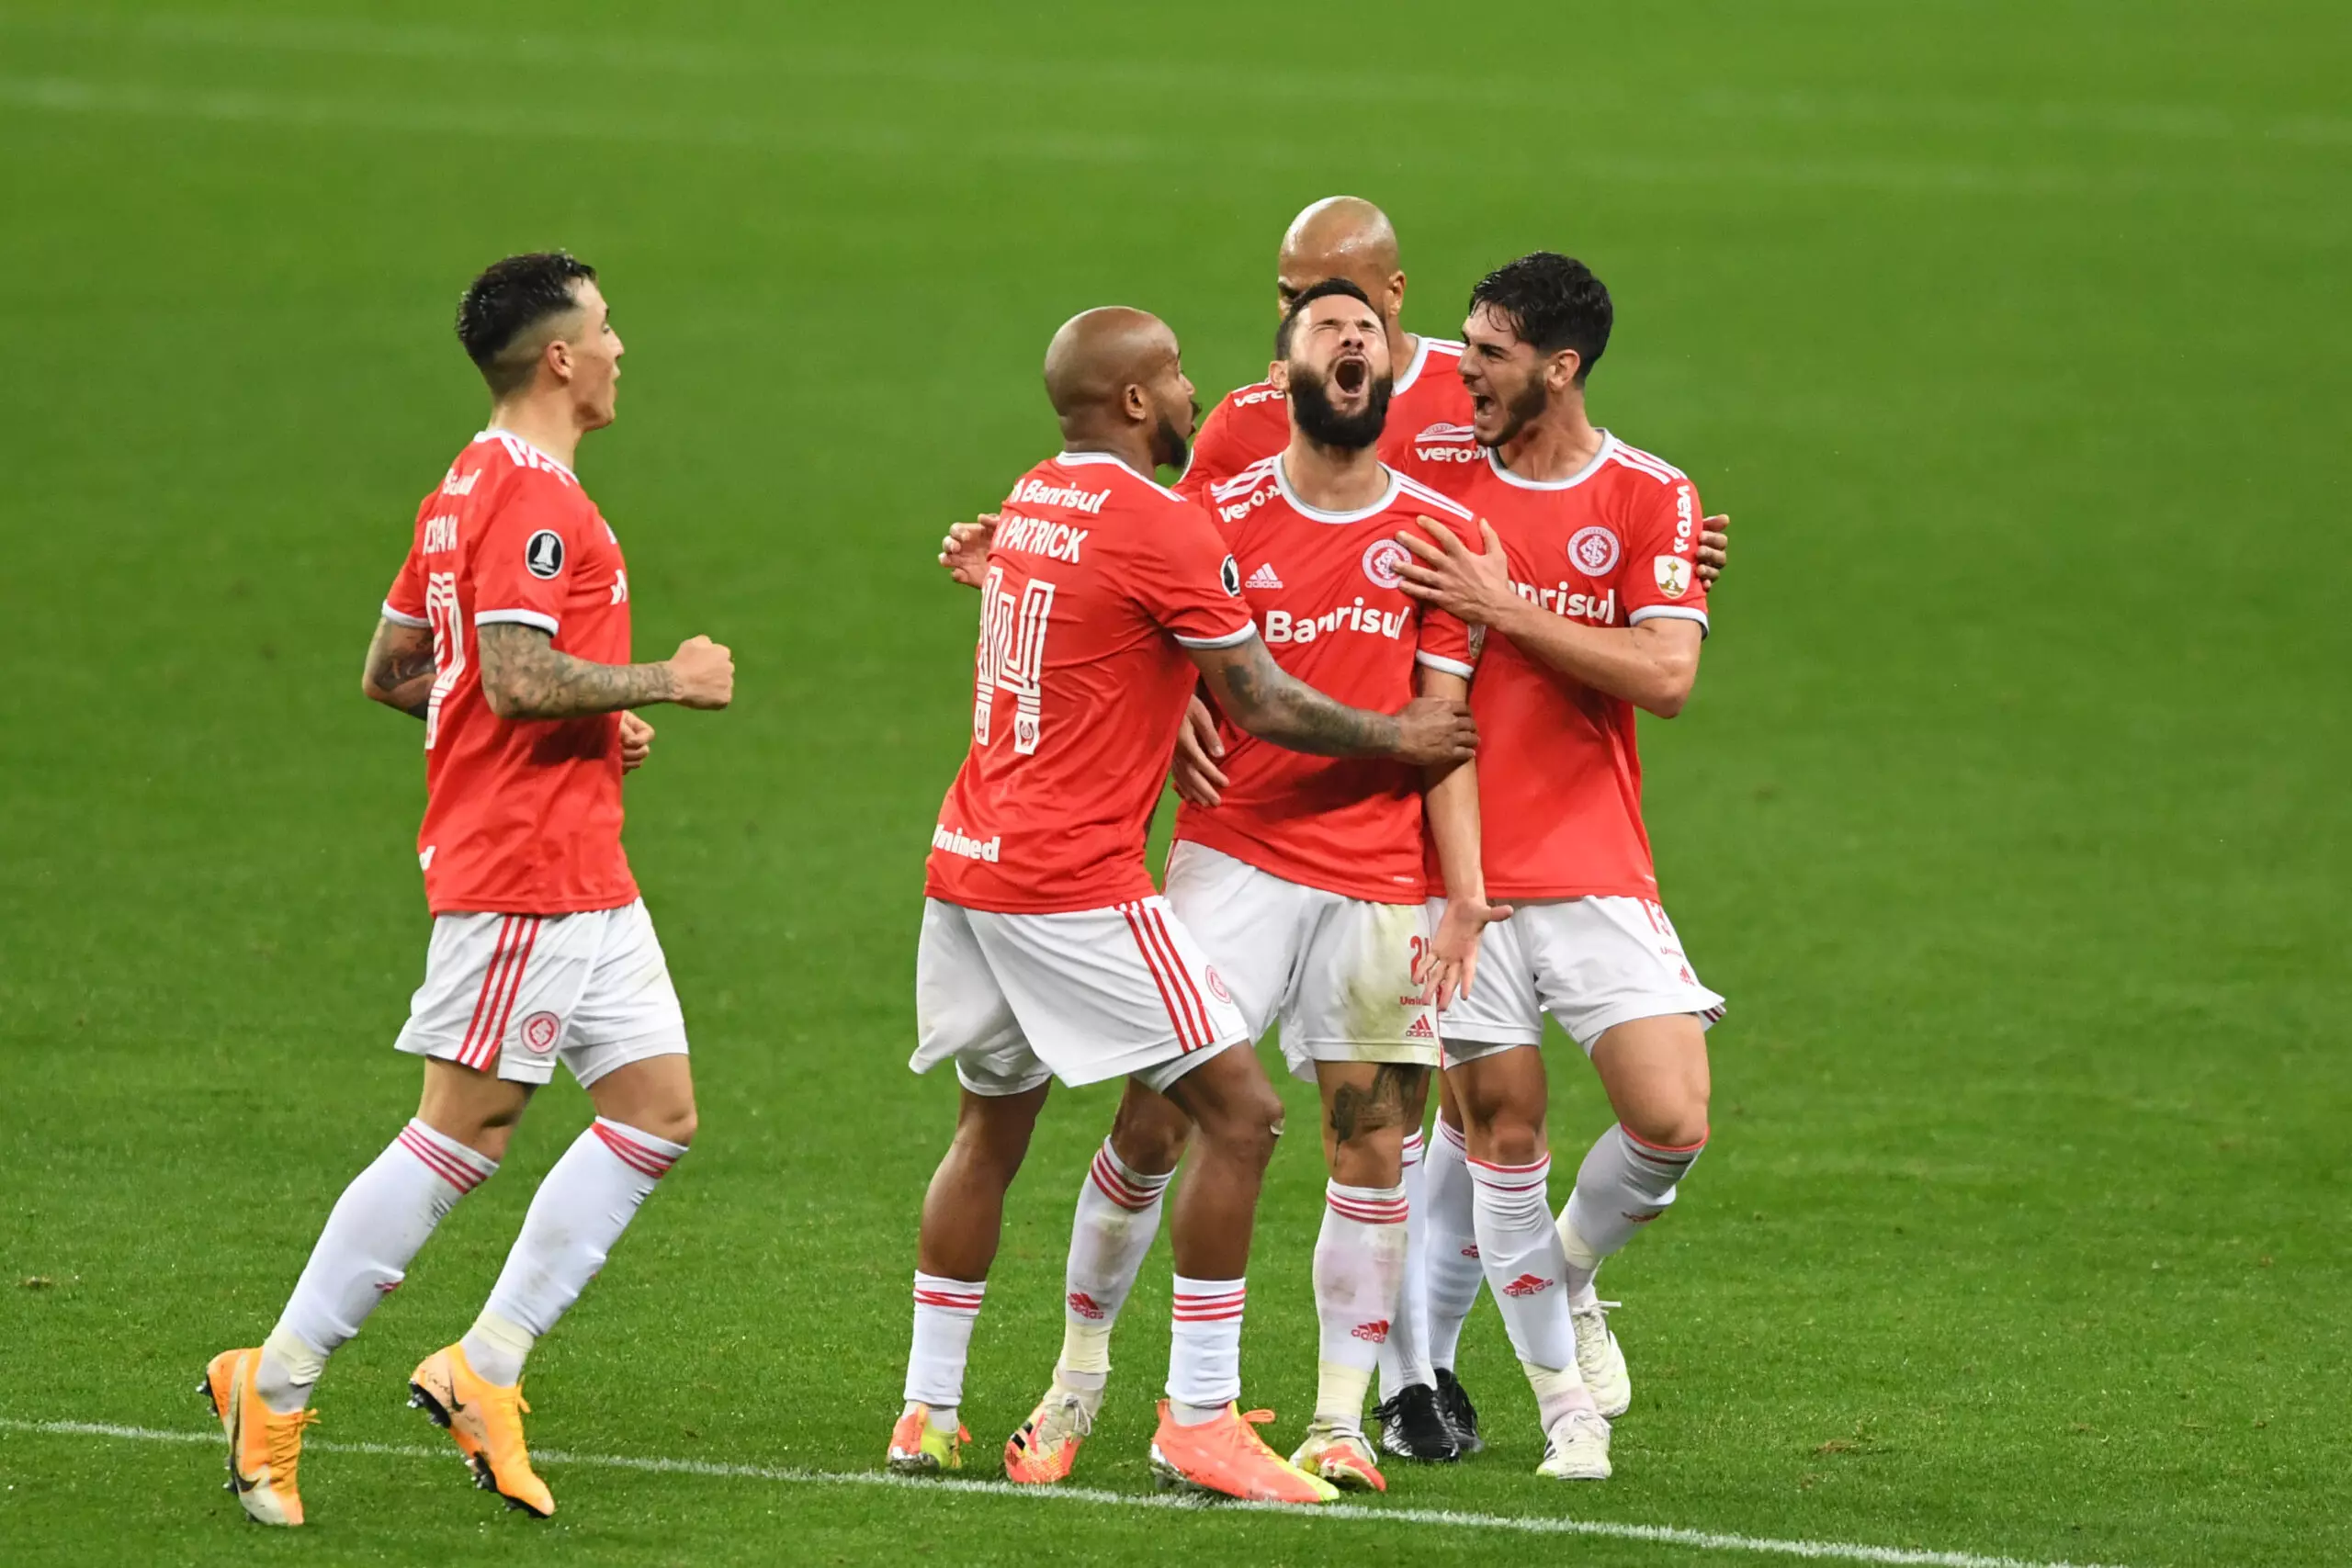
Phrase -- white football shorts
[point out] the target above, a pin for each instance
(1592, 963)
(514, 994)
(1015, 999)
(1338, 972)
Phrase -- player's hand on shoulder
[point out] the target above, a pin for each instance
(1471, 584)
(1715, 547)
(965, 551)
(637, 740)
(702, 674)
(1194, 773)
(1435, 729)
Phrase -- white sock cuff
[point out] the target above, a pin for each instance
(1208, 1300)
(961, 1297)
(462, 1167)
(1450, 1138)
(1666, 1160)
(1511, 1178)
(1415, 1147)
(638, 1150)
(1128, 1188)
(1369, 1205)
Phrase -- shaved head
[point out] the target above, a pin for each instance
(1117, 371)
(1344, 237)
(1336, 236)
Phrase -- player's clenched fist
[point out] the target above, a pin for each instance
(702, 674)
(1435, 729)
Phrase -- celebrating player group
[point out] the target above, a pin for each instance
(1386, 635)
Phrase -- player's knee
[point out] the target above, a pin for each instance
(1512, 1139)
(1374, 1157)
(1149, 1135)
(1677, 1120)
(1248, 1127)
(675, 1123)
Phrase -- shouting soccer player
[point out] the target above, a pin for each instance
(1044, 951)
(1587, 582)
(507, 632)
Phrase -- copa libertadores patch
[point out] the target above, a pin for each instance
(543, 555)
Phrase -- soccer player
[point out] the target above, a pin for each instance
(1044, 951)
(1587, 583)
(507, 632)
(1304, 885)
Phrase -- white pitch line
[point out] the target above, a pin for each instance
(1446, 1519)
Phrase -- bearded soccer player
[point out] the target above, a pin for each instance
(1045, 952)
(507, 632)
(1587, 585)
(1305, 885)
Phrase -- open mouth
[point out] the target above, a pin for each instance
(1351, 373)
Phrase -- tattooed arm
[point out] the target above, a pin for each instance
(1271, 703)
(523, 676)
(398, 673)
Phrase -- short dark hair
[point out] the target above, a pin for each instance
(1307, 297)
(1552, 301)
(509, 299)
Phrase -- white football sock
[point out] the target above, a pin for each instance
(1621, 1186)
(362, 1254)
(1118, 1214)
(1204, 1348)
(945, 1310)
(1405, 1360)
(1358, 1270)
(1521, 1249)
(575, 1217)
(1451, 1270)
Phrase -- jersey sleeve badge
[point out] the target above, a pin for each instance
(1673, 576)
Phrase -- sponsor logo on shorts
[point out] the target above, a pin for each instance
(1086, 1307)
(1216, 984)
(1470, 1252)
(954, 843)
(543, 554)
(1420, 1028)
(1377, 1331)
(1381, 559)
(1673, 576)
(539, 1031)
(1594, 549)
(1529, 1285)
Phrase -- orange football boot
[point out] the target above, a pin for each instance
(1224, 1456)
(1045, 1449)
(486, 1423)
(918, 1448)
(1340, 1456)
(265, 1448)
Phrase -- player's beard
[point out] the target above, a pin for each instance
(1169, 447)
(1310, 402)
(1522, 411)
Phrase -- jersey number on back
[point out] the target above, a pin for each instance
(1012, 657)
(441, 612)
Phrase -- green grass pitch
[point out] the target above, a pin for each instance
(2011, 811)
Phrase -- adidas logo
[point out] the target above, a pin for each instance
(1086, 1306)
(1469, 1252)
(1264, 577)
(1529, 1285)
(1420, 1028)
(1377, 1331)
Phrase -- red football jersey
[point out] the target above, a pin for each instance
(1098, 580)
(1323, 586)
(520, 817)
(1251, 424)
(1560, 778)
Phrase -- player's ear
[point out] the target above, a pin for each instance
(1395, 294)
(1278, 376)
(1562, 373)
(557, 357)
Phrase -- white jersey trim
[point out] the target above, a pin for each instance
(515, 617)
(1396, 482)
(1420, 491)
(1232, 640)
(1421, 359)
(1083, 459)
(511, 441)
(1439, 662)
(1670, 613)
(1648, 463)
(1607, 450)
(402, 618)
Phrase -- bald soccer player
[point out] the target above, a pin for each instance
(1045, 952)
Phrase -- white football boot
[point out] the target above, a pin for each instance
(1599, 1357)
(1575, 1448)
